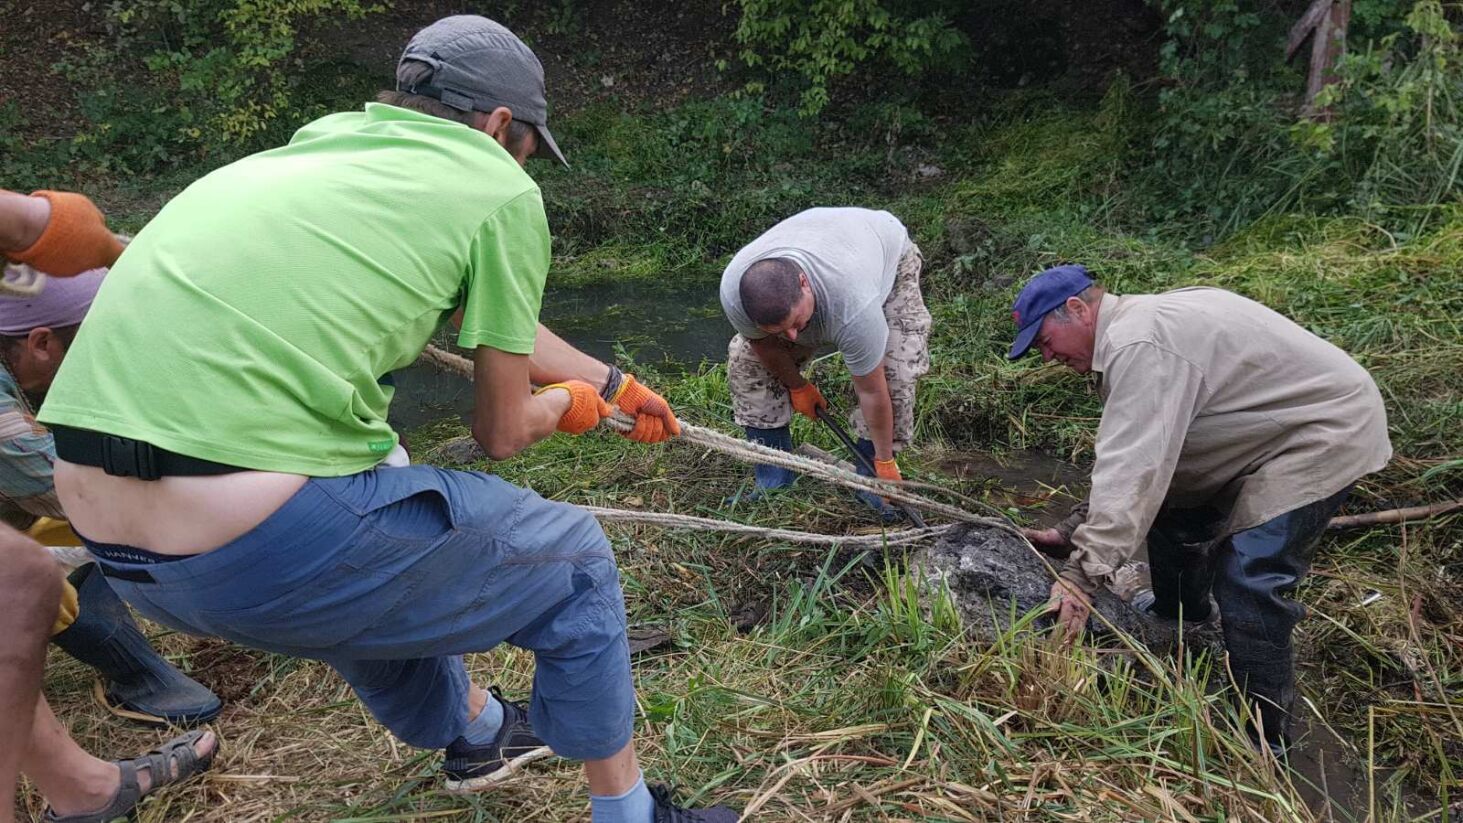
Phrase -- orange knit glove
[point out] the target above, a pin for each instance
(654, 420)
(806, 400)
(888, 470)
(586, 407)
(76, 238)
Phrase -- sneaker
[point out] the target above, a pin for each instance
(478, 768)
(668, 812)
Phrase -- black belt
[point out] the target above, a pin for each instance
(125, 457)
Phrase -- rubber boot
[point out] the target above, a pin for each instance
(767, 477)
(1181, 561)
(1255, 582)
(886, 512)
(1268, 685)
(137, 679)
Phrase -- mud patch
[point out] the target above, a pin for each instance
(231, 672)
(995, 579)
(1024, 480)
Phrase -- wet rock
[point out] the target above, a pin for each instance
(995, 579)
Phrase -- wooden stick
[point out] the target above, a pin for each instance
(1406, 515)
(1305, 26)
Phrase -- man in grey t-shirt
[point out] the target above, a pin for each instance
(843, 278)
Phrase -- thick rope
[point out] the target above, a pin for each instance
(70, 556)
(21, 281)
(749, 452)
(739, 449)
(705, 524)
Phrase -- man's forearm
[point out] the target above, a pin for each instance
(507, 418)
(779, 361)
(878, 412)
(554, 361)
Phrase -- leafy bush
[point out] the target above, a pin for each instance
(220, 76)
(1400, 137)
(824, 40)
(1230, 144)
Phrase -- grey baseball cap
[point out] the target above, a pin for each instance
(479, 65)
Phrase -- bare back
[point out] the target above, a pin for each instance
(173, 515)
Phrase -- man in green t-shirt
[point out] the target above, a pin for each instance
(221, 422)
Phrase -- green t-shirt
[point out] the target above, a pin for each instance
(250, 322)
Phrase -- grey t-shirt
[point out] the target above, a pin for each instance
(850, 257)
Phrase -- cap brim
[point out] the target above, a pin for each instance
(1024, 339)
(547, 146)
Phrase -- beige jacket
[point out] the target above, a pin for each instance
(1211, 398)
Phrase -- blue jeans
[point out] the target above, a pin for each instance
(391, 575)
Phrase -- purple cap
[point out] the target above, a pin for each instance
(1046, 292)
(63, 301)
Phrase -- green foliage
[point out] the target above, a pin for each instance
(1400, 133)
(1231, 144)
(825, 40)
(222, 77)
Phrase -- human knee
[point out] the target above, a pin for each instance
(30, 579)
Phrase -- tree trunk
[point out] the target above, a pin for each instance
(1325, 23)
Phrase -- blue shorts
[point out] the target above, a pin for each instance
(391, 575)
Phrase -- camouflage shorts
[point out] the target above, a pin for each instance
(760, 401)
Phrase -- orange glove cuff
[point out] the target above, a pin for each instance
(655, 420)
(887, 469)
(586, 407)
(806, 400)
(76, 238)
(631, 394)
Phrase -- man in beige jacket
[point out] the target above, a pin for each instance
(1229, 437)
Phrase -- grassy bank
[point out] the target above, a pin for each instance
(847, 702)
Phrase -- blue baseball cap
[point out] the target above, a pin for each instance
(1038, 298)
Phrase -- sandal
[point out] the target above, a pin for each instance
(159, 763)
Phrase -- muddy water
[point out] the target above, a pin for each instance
(1028, 480)
(672, 328)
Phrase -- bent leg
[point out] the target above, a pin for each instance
(424, 702)
(759, 400)
(1259, 570)
(1181, 560)
(907, 352)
